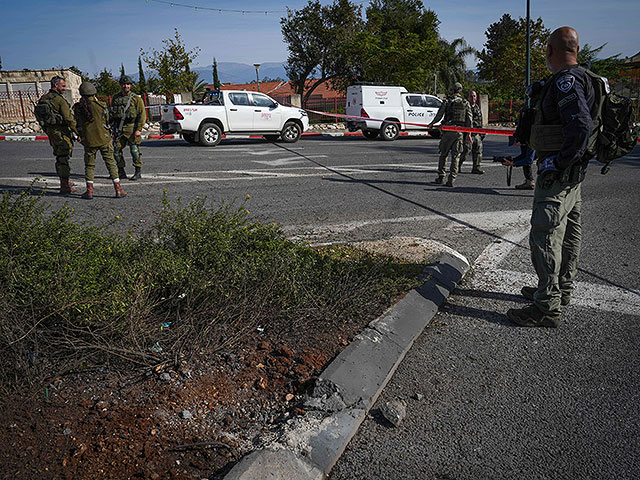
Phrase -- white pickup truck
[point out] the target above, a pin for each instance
(393, 108)
(234, 112)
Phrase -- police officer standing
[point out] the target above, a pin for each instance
(456, 112)
(128, 116)
(93, 127)
(476, 138)
(55, 118)
(559, 134)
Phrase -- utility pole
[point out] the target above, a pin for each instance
(528, 74)
(257, 65)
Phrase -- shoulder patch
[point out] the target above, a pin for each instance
(565, 83)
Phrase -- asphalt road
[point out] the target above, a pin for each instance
(499, 401)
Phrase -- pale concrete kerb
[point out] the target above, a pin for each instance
(310, 445)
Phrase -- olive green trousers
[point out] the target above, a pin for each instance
(475, 147)
(555, 237)
(106, 151)
(450, 143)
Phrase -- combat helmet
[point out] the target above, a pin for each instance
(87, 89)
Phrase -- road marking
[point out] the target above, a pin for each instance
(285, 161)
(479, 220)
(488, 276)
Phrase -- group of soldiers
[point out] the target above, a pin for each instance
(98, 128)
(458, 112)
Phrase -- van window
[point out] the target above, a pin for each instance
(239, 98)
(414, 100)
(432, 102)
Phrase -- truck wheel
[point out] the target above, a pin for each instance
(435, 133)
(210, 135)
(272, 138)
(370, 134)
(189, 137)
(389, 131)
(291, 132)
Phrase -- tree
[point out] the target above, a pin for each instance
(610, 67)
(172, 65)
(142, 87)
(77, 71)
(452, 66)
(122, 72)
(399, 44)
(319, 39)
(503, 60)
(216, 80)
(105, 83)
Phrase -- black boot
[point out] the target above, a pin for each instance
(136, 175)
(121, 173)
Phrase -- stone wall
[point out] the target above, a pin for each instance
(33, 128)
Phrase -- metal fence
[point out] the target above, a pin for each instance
(328, 105)
(18, 106)
(504, 111)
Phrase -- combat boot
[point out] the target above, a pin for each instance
(449, 182)
(120, 193)
(65, 187)
(439, 180)
(136, 175)
(527, 185)
(477, 171)
(532, 316)
(88, 195)
(529, 292)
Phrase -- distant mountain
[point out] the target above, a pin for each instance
(230, 72)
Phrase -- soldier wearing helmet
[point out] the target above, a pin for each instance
(456, 111)
(93, 127)
(128, 116)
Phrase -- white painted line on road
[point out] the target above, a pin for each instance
(481, 220)
(586, 295)
(279, 162)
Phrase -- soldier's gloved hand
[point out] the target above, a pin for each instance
(546, 171)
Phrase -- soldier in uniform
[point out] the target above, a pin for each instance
(456, 112)
(559, 134)
(476, 138)
(93, 128)
(128, 116)
(54, 115)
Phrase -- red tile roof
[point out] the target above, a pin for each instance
(277, 89)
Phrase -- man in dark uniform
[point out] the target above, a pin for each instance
(559, 134)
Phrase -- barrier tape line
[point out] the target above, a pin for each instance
(450, 128)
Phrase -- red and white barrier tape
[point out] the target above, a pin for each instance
(488, 131)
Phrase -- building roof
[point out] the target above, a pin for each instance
(277, 89)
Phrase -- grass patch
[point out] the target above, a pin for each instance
(75, 296)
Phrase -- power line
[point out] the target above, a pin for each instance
(219, 10)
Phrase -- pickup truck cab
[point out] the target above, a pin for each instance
(235, 112)
(393, 108)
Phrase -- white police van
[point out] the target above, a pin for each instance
(391, 109)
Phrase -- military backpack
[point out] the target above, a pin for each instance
(45, 113)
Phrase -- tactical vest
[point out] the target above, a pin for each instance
(549, 138)
(456, 110)
(45, 113)
(118, 106)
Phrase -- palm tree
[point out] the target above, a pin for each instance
(452, 65)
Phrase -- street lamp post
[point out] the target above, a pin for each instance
(257, 65)
(528, 80)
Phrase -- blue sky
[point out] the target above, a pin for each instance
(97, 34)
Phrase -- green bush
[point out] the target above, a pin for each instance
(201, 280)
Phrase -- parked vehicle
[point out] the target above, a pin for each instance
(387, 110)
(235, 112)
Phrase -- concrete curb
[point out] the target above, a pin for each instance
(350, 385)
(33, 138)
